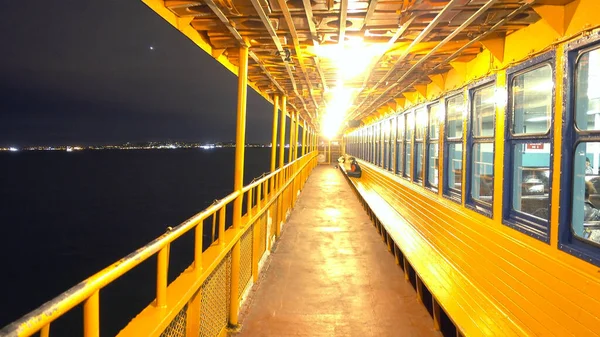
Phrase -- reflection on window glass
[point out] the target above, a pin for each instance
(455, 113)
(435, 112)
(531, 179)
(432, 166)
(407, 161)
(586, 193)
(421, 121)
(532, 101)
(482, 175)
(587, 91)
(483, 112)
(454, 171)
(418, 161)
(410, 125)
(399, 144)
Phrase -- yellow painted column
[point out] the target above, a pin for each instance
(304, 138)
(238, 184)
(274, 138)
(291, 139)
(296, 136)
(279, 216)
(282, 131)
(274, 142)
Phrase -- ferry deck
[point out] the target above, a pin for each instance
(476, 125)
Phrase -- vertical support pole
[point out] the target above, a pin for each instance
(296, 135)
(45, 332)
(274, 140)
(304, 139)
(282, 131)
(222, 216)
(291, 139)
(280, 180)
(198, 233)
(436, 315)
(162, 270)
(91, 315)
(329, 152)
(238, 184)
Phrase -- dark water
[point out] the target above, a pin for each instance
(65, 216)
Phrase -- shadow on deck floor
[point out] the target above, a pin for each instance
(331, 274)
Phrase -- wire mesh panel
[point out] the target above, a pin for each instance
(177, 326)
(215, 299)
(262, 242)
(245, 259)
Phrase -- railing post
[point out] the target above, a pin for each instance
(91, 315)
(162, 271)
(222, 215)
(238, 184)
(45, 332)
(198, 233)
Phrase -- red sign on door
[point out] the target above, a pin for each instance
(539, 146)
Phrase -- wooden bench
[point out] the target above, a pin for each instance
(453, 298)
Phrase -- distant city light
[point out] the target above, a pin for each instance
(13, 149)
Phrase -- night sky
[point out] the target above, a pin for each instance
(109, 71)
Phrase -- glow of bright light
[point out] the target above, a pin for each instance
(352, 58)
(339, 102)
(13, 149)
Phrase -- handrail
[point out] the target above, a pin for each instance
(88, 290)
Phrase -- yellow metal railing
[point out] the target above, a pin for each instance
(197, 302)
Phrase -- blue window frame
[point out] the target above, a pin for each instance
(528, 150)
(372, 144)
(453, 146)
(579, 218)
(400, 131)
(420, 133)
(408, 141)
(382, 144)
(433, 134)
(480, 146)
(391, 144)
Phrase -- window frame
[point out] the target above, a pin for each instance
(391, 139)
(571, 138)
(399, 151)
(408, 145)
(419, 179)
(521, 221)
(429, 141)
(447, 192)
(471, 140)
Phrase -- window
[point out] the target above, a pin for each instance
(410, 125)
(453, 154)
(391, 139)
(435, 113)
(480, 158)
(372, 144)
(399, 144)
(527, 167)
(420, 131)
(377, 138)
(580, 181)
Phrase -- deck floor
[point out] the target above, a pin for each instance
(331, 274)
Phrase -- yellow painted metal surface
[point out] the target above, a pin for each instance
(490, 278)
